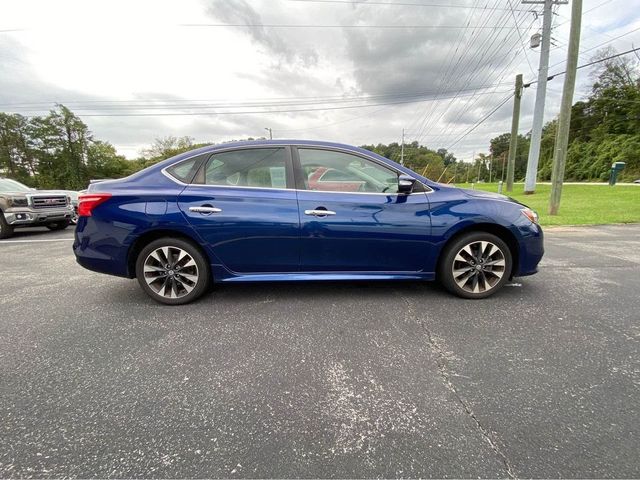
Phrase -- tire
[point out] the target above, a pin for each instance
(61, 225)
(74, 217)
(187, 278)
(482, 263)
(6, 230)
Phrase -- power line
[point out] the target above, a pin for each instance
(427, 119)
(481, 121)
(586, 11)
(550, 77)
(289, 25)
(162, 114)
(188, 104)
(398, 4)
(417, 121)
(601, 44)
(524, 48)
(499, 76)
(493, 56)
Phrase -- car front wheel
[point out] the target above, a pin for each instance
(172, 271)
(476, 265)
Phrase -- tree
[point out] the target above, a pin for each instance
(167, 147)
(16, 158)
(614, 72)
(104, 162)
(447, 157)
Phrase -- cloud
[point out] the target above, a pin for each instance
(153, 58)
(240, 12)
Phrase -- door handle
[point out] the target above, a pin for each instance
(319, 213)
(205, 209)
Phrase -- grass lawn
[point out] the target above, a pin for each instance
(580, 204)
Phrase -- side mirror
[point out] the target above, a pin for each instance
(405, 184)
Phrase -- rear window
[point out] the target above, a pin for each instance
(184, 171)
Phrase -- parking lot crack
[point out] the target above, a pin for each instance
(441, 362)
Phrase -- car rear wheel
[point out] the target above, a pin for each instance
(61, 225)
(173, 271)
(476, 265)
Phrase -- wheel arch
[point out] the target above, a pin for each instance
(151, 235)
(499, 231)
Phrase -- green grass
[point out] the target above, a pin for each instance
(580, 204)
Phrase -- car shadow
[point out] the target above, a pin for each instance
(263, 293)
(36, 232)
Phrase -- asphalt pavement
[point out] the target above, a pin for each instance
(366, 379)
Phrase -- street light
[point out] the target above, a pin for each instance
(270, 133)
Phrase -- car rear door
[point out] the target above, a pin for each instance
(243, 204)
(369, 229)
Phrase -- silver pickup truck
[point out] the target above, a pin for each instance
(21, 206)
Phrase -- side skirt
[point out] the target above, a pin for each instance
(221, 274)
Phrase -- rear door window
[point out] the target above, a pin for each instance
(258, 167)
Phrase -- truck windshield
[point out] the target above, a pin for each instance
(8, 185)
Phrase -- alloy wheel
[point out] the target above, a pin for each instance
(170, 272)
(478, 267)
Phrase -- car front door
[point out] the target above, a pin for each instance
(366, 226)
(243, 204)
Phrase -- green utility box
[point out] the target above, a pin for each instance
(615, 168)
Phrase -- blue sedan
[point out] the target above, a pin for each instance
(299, 210)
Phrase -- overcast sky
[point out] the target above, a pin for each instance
(135, 70)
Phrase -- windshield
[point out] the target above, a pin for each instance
(8, 185)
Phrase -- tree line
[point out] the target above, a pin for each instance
(58, 150)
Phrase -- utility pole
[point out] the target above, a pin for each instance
(513, 144)
(270, 132)
(402, 149)
(541, 92)
(564, 122)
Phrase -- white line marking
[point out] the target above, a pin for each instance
(33, 241)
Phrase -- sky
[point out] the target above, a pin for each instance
(357, 72)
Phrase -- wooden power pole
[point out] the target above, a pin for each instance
(564, 121)
(513, 144)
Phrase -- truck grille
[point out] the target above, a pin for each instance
(57, 201)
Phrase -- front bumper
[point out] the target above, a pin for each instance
(531, 250)
(25, 216)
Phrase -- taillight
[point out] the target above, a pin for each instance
(88, 201)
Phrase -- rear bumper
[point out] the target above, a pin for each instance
(99, 250)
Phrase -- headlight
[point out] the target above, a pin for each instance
(19, 201)
(530, 214)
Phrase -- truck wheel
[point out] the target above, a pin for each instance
(6, 230)
(61, 225)
(476, 265)
(173, 271)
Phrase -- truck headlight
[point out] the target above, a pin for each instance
(19, 201)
